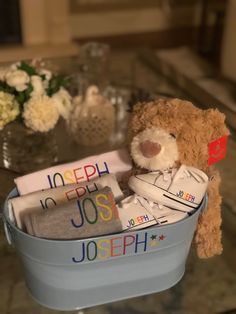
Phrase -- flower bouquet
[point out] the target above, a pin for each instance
(34, 94)
(34, 98)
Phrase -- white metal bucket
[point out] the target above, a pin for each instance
(75, 274)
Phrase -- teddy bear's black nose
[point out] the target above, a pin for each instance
(149, 149)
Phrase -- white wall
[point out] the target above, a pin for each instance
(228, 57)
(128, 21)
(45, 21)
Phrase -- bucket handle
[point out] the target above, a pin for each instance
(7, 230)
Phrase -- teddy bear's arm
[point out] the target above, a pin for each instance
(208, 235)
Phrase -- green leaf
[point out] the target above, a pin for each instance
(20, 97)
(4, 87)
(43, 76)
(27, 68)
(24, 96)
(56, 83)
(28, 91)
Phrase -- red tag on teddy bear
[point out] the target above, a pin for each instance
(217, 150)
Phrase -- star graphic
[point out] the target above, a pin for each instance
(153, 243)
(162, 237)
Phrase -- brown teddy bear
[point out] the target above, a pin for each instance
(186, 132)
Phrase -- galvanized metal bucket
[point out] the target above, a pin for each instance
(76, 274)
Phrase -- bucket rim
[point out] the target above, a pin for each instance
(13, 192)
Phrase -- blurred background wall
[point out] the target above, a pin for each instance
(55, 27)
(94, 18)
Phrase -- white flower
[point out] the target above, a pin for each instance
(40, 114)
(15, 66)
(47, 73)
(17, 79)
(63, 101)
(37, 63)
(45, 84)
(3, 72)
(9, 109)
(37, 84)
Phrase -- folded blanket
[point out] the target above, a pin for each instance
(117, 162)
(93, 215)
(51, 197)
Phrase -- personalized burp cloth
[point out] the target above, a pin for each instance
(93, 215)
(117, 162)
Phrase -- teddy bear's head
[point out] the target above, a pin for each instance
(167, 133)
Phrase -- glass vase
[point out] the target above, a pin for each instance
(25, 151)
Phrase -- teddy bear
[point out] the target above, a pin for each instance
(185, 132)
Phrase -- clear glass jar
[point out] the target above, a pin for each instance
(93, 118)
(94, 66)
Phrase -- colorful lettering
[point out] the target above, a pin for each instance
(81, 215)
(94, 253)
(186, 196)
(70, 192)
(81, 174)
(103, 196)
(131, 223)
(77, 179)
(100, 173)
(47, 201)
(146, 218)
(89, 188)
(117, 246)
(127, 242)
(75, 260)
(88, 173)
(113, 205)
(80, 191)
(68, 175)
(138, 220)
(102, 248)
(61, 182)
(137, 242)
(86, 200)
(113, 247)
(50, 181)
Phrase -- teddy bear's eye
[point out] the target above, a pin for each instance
(171, 134)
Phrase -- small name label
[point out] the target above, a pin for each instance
(137, 221)
(186, 196)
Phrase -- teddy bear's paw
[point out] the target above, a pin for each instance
(209, 246)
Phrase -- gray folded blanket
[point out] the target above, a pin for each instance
(89, 216)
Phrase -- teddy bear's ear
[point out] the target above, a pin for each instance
(215, 123)
(137, 121)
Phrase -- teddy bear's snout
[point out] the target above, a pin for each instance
(149, 149)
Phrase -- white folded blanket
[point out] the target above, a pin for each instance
(117, 162)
